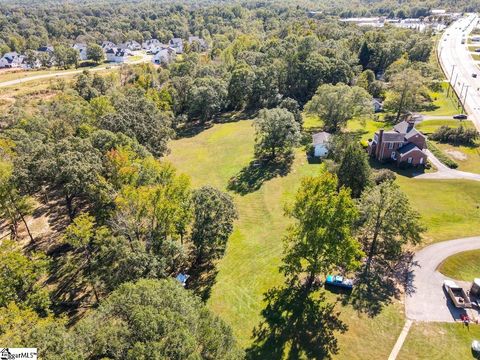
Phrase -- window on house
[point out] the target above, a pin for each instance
(390, 145)
(409, 160)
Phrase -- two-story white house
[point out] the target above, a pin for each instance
(164, 56)
(116, 55)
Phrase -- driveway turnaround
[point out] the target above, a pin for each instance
(427, 301)
(445, 173)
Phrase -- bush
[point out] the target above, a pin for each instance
(455, 136)
(444, 158)
(383, 175)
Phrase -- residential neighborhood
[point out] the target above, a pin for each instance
(240, 180)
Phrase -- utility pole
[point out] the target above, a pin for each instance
(461, 91)
(450, 80)
(465, 99)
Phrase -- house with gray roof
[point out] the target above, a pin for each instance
(402, 145)
(320, 143)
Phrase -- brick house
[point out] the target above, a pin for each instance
(402, 145)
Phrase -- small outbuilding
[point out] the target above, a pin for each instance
(320, 143)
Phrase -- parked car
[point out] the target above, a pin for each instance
(339, 281)
(460, 116)
(477, 50)
(474, 75)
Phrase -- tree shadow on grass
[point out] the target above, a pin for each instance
(202, 279)
(296, 324)
(251, 177)
(378, 287)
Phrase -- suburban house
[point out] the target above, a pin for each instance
(12, 60)
(200, 41)
(116, 55)
(402, 145)
(151, 44)
(46, 48)
(131, 45)
(107, 45)
(82, 50)
(320, 144)
(164, 56)
(377, 105)
(177, 45)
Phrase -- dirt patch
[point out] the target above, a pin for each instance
(457, 155)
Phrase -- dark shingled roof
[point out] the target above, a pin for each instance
(407, 147)
(403, 127)
(393, 136)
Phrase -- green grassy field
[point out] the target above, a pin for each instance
(439, 341)
(445, 105)
(250, 265)
(429, 126)
(462, 266)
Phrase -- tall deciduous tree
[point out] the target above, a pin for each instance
(214, 213)
(321, 238)
(336, 104)
(21, 276)
(407, 92)
(298, 320)
(354, 171)
(95, 53)
(276, 131)
(154, 319)
(139, 118)
(387, 224)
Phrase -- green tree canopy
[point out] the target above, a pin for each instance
(154, 319)
(276, 131)
(336, 104)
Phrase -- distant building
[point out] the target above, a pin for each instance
(151, 44)
(320, 144)
(177, 45)
(12, 60)
(107, 45)
(47, 49)
(199, 40)
(377, 105)
(131, 45)
(164, 55)
(402, 145)
(82, 50)
(116, 55)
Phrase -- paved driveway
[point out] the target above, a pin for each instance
(428, 301)
(445, 173)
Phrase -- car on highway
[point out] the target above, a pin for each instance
(474, 75)
(460, 117)
(339, 281)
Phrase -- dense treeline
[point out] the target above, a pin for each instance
(125, 221)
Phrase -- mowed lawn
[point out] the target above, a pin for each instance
(462, 266)
(439, 341)
(444, 105)
(250, 266)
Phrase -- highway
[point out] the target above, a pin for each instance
(459, 66)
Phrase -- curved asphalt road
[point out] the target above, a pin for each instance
(428, 301)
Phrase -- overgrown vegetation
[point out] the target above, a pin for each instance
(440, 155)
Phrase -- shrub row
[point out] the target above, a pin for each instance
(444, 158)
